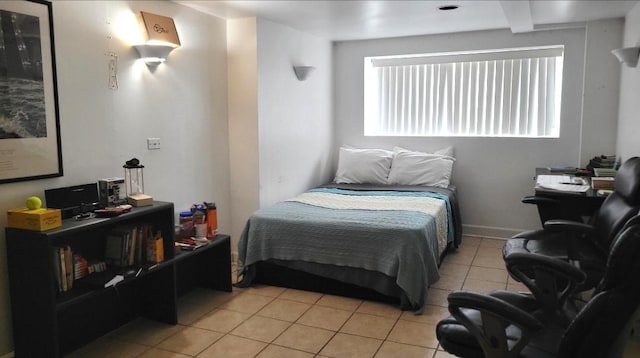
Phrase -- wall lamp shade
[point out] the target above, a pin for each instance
(160, 38)
(627, 55)
(303, 72)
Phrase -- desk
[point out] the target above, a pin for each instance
(569, 206)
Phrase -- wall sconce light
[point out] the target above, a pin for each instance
(160, 38)
(302, 72)
(627, 55)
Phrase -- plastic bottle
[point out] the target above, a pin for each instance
(199, 223)
(186, 223)
(212, 220)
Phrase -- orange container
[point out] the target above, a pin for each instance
(212, 221)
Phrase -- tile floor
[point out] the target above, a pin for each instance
(266, 321)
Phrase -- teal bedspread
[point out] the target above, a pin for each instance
(401, 244)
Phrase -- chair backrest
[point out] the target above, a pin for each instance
(621, 205)
(602, 326)
(623, 258)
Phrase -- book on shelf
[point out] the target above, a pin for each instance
(155, 248)
(63, 267)
(80, 267)
(140, 243)
(68, 264)
(56, 268)
(132, 246)
(114, 249)
(128, 246)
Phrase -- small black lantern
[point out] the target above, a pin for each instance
(134, 183)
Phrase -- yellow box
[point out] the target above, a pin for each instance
(38, 219)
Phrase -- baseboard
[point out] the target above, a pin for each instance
(490, 231)
(8, 355)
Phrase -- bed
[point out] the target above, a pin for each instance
(381, 242)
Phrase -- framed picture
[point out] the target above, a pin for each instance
(29, 123)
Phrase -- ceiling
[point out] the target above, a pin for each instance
(356, 20)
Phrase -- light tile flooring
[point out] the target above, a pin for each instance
(266, 321)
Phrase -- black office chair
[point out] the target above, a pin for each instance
(587, 245)
(551, 208)
(506, 324)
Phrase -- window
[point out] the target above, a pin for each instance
(497, 93)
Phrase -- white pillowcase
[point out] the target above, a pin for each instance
(363, 166)
(417, 168)
(448, 151)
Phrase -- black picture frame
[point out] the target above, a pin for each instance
(30, 146)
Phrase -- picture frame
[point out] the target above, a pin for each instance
(30, 145)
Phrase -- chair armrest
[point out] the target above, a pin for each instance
(560, 267)
(551, 281)
(498, 307)
(537, 200)
(496, 317)
(557, 225)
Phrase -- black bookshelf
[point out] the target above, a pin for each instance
(49, 323)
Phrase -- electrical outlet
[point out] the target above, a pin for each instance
(153, 143)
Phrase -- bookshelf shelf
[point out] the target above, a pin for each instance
(63, 321)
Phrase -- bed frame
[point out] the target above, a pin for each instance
(275, 275)
(268, 273)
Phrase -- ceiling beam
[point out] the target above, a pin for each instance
(518, 14)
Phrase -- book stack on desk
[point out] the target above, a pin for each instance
(602, 161)
(604, 172)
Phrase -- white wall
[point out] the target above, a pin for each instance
(602, 82)
(184, 102)
(243, 122)
(492, 174)
(280, 128)
(629, 118)
(295, 117)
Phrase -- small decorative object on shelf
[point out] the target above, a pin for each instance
(199, 223)
(191, 243)
(34, 216)
(111, 192)
(134, 183)
(112, 211)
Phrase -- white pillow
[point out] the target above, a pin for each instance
(416, 168)
(448, 151)
(363, 166)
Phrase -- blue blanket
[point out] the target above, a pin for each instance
(397, 243)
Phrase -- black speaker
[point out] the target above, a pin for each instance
(73, 200)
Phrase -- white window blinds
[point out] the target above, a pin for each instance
(514, 93)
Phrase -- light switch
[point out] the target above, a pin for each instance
(153, 143)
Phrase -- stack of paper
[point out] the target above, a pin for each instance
(562, 183)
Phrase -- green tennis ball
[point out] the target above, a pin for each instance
(33, 202)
